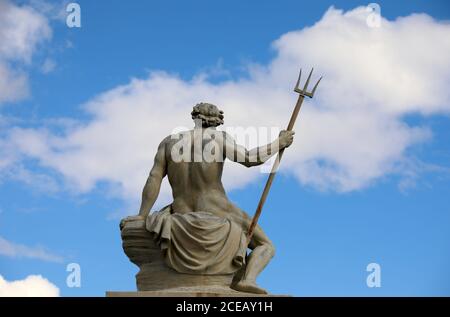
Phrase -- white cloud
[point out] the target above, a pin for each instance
(13, 84)
(349, 136)
(48, 66)
(401, 67)
(14, 250)
(31, 286)
(53, 10)
(22, 29)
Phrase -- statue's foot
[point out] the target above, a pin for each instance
(248, 287)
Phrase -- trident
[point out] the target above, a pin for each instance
(302, 93)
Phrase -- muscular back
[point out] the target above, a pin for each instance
(194, 176)
(193, 161)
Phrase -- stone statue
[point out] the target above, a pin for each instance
(198, 241)
(197, 246)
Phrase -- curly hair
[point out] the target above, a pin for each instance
(210, 115)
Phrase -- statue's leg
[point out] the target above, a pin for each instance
(262, 253)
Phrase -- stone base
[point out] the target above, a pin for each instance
(154, 274)
(190, 292)
(156, 279)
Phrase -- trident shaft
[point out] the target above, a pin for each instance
(302, 93)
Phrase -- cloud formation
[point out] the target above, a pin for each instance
(31, 286)
(22, 30)
(15, 250)
(350, 135)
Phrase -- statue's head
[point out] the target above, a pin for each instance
(208, 113)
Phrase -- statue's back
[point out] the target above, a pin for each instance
(195, 177)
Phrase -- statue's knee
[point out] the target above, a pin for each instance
(270, 249)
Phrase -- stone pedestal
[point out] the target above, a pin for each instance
(189, 292)
(156, 279)
(155, 275)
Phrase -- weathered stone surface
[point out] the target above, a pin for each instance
(198, 242)
(138, 245)
(212, 292)
(154, 274)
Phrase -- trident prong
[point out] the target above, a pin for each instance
(304, 92)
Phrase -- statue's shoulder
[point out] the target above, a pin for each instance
(170, 139)
(177, 136)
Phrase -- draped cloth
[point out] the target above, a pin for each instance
(198, 242)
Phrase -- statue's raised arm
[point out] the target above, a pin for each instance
(258, 155)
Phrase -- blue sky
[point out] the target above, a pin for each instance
(381, 194)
